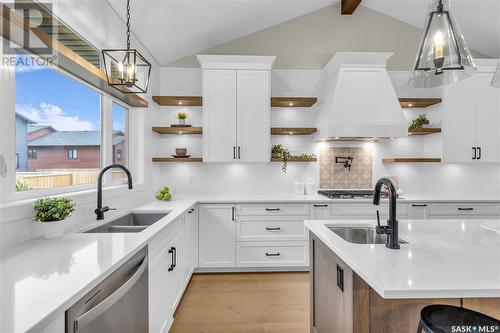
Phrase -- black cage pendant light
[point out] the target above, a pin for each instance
(443, 56)
(126, 69)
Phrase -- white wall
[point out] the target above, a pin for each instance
(96, 22)
(426, 180)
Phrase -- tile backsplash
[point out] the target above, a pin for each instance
(336, 176)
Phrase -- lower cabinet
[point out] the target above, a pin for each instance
(454, 210)
(165, 280)
(350, 210)
(217, 227)
(272, 254)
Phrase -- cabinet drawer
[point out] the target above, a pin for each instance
(272, 209)
(273, 254)
(464, 209)
(271, 229)
(160, 241)
(360, 210)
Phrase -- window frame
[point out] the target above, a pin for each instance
(9, 193)
(73, 154)
(32, 154)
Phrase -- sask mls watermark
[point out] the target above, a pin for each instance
(475, 329)
(27, 32)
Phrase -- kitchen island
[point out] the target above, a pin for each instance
(369, 288)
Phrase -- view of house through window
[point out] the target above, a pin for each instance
(119, 138)
(58, 130)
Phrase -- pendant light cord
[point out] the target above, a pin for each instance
(128, 24)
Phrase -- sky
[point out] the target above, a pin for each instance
(49, 97)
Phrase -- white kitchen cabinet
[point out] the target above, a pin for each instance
(217, 235)
(418, 211)
(253, 116)
(272, 254)
(236, 108)
(320, 211)
(219, 115)
(190, 242)
(165, 277)
(471, 121)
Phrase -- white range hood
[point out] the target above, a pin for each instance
(358, 100)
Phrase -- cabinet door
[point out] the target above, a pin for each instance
(320, 211)
(219, 115)
(217, 236)
(180, 262)
(331, 291)
(254, 115)
(163, 284)
(459, 122)
(191, 243)
(418, 211)
(487, 119)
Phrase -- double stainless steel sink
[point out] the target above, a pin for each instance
(360, 235)
(132, 222)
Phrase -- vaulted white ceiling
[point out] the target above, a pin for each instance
(173, 29)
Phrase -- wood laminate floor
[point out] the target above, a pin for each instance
(245, 303)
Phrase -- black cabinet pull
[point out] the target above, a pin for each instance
(474, 153)
(419, 205)
(273, 228)
(232, 213)
(234, 152)
(171, 251)
(318, 205)
(272, 254)
(465, 208)
(272, 209)
(239, 152)
(479, 153)
(340, 278)
(175, 256)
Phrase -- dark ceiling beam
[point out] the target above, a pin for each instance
(349, 6)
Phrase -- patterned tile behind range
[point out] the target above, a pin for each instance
(336, 176)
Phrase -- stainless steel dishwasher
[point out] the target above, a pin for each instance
(117, 304)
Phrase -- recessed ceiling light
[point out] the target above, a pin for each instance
(410, 105)
(180, 103)
(290, 104)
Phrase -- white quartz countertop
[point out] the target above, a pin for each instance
(444, 258)
(40, 279)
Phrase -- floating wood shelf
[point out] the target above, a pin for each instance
(299, 102)
(180, 159)
(295, 159)
(412, 160)
(294, 102)
(293, 130)
(178, 100)
(423, 131)
(178, 130)
(418, 102)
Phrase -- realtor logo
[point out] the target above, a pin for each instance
(475, 329)
(21, 24)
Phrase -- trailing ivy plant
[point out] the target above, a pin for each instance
(278, 151)
(419, 122)
(53, 209)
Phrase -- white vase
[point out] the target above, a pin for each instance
(53, 229)
(182, 121)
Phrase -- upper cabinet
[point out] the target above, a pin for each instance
(471, 122)
(236, 109)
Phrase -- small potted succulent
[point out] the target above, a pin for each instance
(182, 116)
(52, 212)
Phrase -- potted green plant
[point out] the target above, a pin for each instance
(278, 151)
(52, 212)
(419, 122)
(182, 116)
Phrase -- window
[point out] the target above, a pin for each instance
(72, 154)
(58, 118)
(31, 154)
(120, 145)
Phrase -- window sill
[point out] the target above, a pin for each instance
(74, 193)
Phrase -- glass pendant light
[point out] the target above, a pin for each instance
(443, 56)
(126, 69)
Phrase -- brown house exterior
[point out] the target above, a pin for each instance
(50, 149)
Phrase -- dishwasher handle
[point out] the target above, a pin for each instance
(100, 308)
